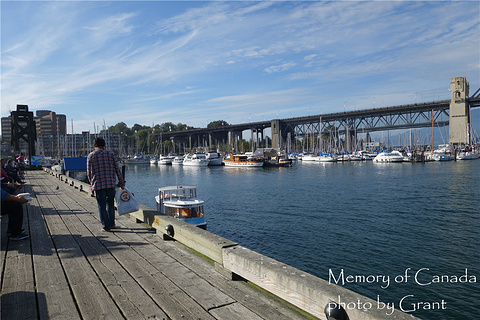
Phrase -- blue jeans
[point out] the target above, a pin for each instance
(106, 207)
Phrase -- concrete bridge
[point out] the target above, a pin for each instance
(447, 112)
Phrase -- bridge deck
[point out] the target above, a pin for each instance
(69, 269)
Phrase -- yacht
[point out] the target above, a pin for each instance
(242, 160)
(467, 156)
(177, 160)
(181, 202)
(393, 156)
(309, 157)
(214, 158)
(195, 160)
(325, 158)
(165, 160)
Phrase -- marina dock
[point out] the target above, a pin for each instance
(70, 269)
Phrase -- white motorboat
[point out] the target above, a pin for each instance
(325, 158)
(165, 160)
(393, 156)
(214, 158)
(467, 156)
(195, 160)
(365, 155)
(343, 157)
(356, 157)
(309, 157)
(177, 160)
(181, 202)
(153, 160)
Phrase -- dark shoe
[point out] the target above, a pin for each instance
(21, 236)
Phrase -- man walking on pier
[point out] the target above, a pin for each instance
(102, 172)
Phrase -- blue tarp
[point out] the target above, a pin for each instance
(75, 163)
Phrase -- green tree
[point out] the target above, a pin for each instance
(119, 128)
(217, 123)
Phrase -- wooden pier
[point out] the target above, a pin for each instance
(70, 269)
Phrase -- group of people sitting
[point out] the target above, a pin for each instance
(11, 182)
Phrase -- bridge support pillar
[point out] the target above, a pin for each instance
(459, 122)
(276, 126)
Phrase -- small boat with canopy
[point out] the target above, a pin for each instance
(181, 202)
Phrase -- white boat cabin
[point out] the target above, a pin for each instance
(180, 202)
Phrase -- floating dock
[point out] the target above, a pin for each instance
(70, 269)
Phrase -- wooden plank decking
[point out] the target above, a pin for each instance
(69, 269)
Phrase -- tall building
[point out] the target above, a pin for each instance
(7, 148)
(50, 123)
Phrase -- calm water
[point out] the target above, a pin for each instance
(365, 218)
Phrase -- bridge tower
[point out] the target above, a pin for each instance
(276, 126)
(459, 122)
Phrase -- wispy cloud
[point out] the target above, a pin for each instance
(107, 59)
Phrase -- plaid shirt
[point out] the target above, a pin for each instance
(102, 168)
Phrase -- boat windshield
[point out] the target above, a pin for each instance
(178, 193)
(192, 212)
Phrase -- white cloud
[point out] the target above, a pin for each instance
(279, 68)
(249, 53)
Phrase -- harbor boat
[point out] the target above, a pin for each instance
(214, 158)
(442, 157)
(195, 160)
(242, 160)
(293, 156)
(181, 202)
(165, 160)
(356, 157)
(278, 161)
(177, 160)
(153, 160)
(393, 156)
(365, 155)
(442, 153)
(309, 157)
(271, 158)
(138, 159)
(467, 156)
(325, 158)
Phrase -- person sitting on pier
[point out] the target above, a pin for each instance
(102, 171)
(12, 172)
(21, 161)
(8, 184)
(12, 205)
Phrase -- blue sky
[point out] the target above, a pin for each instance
(195, 62)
